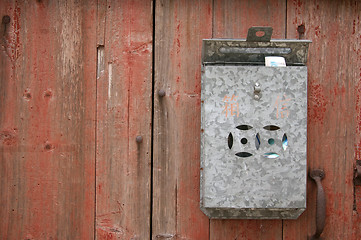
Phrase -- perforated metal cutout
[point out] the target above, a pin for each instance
(230, 140)
(244, 127)
(257, 139)
(243, 154)
(284, 142)
(271, 127)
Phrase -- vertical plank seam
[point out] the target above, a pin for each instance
(152, 126)
(102, 33)
(95, 148)
(96, 129)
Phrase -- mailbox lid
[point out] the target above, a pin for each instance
(265, 168)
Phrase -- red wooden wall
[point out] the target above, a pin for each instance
(79, 81)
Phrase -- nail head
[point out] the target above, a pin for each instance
(139, 139)
(6, 19)
(161, 93)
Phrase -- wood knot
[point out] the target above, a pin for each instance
(8, 138)
(48, 147)
(27, 95)
(48, 93)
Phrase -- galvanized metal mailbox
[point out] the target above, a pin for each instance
(254, 128)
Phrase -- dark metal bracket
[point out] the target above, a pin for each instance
(254, 49)
(265, 34)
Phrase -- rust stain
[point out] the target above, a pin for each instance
(317, 103)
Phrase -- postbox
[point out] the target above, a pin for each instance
(253, 127)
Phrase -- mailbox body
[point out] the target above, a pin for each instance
(253, 148)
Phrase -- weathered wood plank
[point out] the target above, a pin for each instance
(246, 229)
(47, 128)
(356, 76)
(334, 74)
(101, 21)
(124, 103)
(180, 28)
(232, 19)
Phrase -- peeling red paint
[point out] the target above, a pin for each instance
(336, 91)
(12, 37)
(358, 117)
(107, 229)
(317, 103)
(317, 31)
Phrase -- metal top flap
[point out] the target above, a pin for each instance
(254, 50)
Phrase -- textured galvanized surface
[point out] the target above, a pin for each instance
(231, 51)
(254, 182)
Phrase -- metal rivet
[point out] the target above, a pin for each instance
(161, 93)
(257, 87)
(256, 97)
(139, 139)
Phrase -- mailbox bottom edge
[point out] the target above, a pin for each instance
(253, 213)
